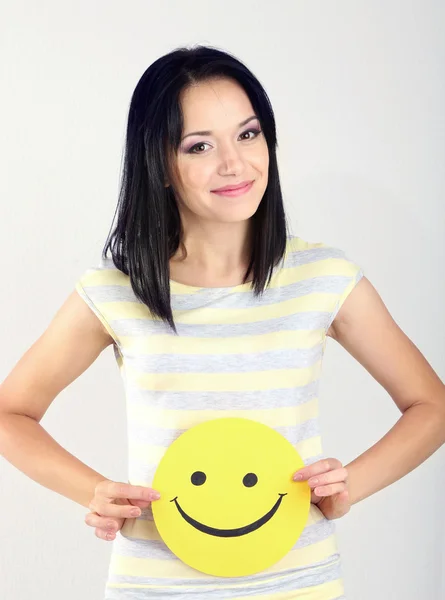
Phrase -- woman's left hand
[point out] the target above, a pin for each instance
(328, 481)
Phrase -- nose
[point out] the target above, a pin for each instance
(230, 160)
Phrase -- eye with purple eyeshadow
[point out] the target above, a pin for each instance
(256, 132)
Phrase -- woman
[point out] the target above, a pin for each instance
(213, 309)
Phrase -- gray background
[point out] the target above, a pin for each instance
(358, 92)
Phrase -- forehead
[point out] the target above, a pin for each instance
(214, 105)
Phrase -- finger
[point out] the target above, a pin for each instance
(330, 490)
(95, 520)
(114, 489)
(335, 476)
(105, 535)
(126, 511)
(314, 498)
(140, 503)
(321, 466)
(126, 502)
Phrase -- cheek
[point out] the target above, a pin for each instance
(196, 178)
(259, 159)
(264, 159)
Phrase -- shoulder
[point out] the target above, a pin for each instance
(328, 274)
(323, 258)
(103, 273)
(107, 291)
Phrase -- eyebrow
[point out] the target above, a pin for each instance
(210, 133)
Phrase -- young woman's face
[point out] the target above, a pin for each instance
(229, 150)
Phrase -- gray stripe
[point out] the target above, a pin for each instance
(164, 437)
(311, 255)
(317, 532)
(241, 300)
(227, 363)
(147, 327)
(356, 279)
(199, 400)
(211, 587)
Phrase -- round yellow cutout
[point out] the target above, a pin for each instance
(229, 506)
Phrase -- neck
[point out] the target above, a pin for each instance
(219, 249)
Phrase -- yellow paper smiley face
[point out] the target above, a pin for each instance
(229, 506)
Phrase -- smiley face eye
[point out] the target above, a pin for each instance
(250, 480)
(198, 478)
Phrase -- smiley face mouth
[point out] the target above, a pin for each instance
(230, 532)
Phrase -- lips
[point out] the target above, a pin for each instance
(234, 190)
(231, 188)
(229, 532)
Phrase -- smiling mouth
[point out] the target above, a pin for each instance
(230, 532)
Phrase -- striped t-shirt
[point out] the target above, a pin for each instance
(235, 356)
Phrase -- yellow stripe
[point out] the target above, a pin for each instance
(224, 382)
(149, 415)
(144, 529)
(170, 344)
(296, 244)
(150, 455)
(98, 277)
(176, 569)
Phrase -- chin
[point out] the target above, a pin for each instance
(236, 214)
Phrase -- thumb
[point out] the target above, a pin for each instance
(342, 501)
(343, 497)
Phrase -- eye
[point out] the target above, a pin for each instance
(193, 148)
(198, 478)
(255, 132)
(200, 147)
(250, 480)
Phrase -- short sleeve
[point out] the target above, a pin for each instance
(99, 288)
(346, 274)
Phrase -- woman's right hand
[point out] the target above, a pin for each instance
(113, 503)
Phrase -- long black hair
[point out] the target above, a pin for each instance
(148, 230)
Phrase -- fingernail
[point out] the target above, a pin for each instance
(298, 477)
(136, 512)
(155, 495)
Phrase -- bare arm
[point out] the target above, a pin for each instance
(365, 328)
(70, 344)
